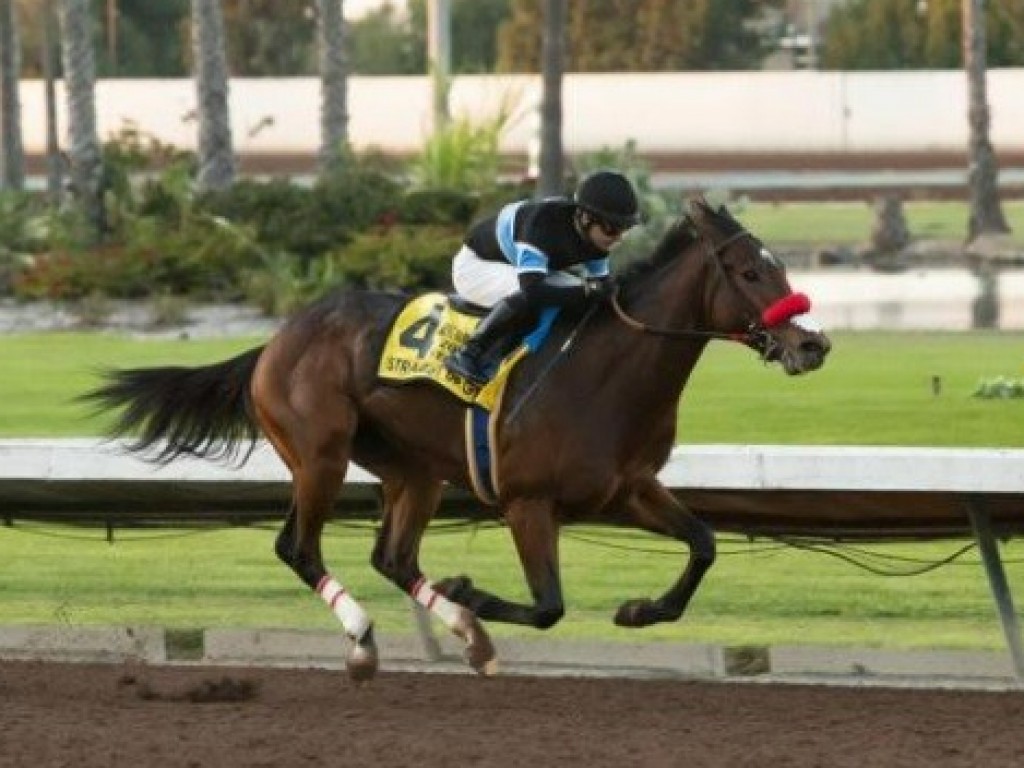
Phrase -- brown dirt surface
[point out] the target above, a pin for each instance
(115, 715)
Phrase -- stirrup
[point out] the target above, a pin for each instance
(463, 365)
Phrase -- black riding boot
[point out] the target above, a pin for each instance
(481, 354)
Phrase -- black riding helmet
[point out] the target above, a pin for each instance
(609, 196)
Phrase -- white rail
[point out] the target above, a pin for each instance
(840, 492)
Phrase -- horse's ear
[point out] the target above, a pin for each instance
(697, 206)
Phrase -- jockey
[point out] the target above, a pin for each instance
(515, 262)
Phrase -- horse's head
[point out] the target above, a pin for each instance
(749, 295)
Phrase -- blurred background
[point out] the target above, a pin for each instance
(213, 151)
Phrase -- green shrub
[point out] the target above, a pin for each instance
(438, 206)
(143, 175)
(283, 284)
(353, 196)
(23, 231)
(280, 213)
(308, 221)
(413, 259)
(999, 388)
(204, 258)
(168, 196)
(463, 153)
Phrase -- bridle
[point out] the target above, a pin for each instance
(756, 335)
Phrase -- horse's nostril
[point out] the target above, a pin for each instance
(815, 347)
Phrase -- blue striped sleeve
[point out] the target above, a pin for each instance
(598, 267)
(505, 230)
(525, 257)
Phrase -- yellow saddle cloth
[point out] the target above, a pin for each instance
(425, 332)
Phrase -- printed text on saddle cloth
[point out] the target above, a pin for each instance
(793, 308)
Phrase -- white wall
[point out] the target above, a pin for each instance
(693, 112)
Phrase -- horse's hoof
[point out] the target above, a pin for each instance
(638, 613)
(479, 653)
(457, 588)
(362, 661)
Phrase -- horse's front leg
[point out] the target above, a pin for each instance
(535, 533)
(655, 509)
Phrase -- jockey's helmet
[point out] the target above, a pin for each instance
(609, 196)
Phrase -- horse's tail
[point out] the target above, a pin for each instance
(173, 411)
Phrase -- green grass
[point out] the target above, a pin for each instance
(851, 222)
(876, 389)
(44, 372)
(755, 594)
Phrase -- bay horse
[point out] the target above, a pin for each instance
(591, 422)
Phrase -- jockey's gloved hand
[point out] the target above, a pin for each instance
(601, 289)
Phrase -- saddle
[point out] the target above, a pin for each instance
(432, 326)
(426, 331)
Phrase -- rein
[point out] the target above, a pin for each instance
(750, 336)
(671, 333)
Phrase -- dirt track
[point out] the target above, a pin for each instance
(109, 716)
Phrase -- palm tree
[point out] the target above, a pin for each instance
(54, 171)
(333, 82)
(216, 156)
(80, 84)
(552, 66)
(986, 215)
(10, 104)
(439, 64)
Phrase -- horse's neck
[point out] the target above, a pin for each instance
(673, 297)
(657, 365)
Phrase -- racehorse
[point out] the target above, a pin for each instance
(590, 420)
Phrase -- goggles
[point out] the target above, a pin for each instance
(610, 229)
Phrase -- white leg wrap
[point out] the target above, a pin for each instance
(351, 615)
(423, 592)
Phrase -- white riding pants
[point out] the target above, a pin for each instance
(487, 282)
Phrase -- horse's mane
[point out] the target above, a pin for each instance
(680, 237)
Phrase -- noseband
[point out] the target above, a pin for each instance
(755, 336)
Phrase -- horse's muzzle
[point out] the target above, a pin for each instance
(806, 356)
(797, 350)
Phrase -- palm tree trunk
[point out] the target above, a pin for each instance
(333, 83)
(216, 155)
(80, 84)
(552, 65)
(439, 55)
(54, 171)
(10, 104)
(986, 215)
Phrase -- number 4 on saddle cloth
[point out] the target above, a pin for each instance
(426, 331)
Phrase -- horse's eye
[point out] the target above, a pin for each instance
(750, 275)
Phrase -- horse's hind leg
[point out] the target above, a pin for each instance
(535, 533)
(655, 509)
(409, 504)
(318, 461)
(316, 484)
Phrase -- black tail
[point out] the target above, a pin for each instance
(175, 411)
